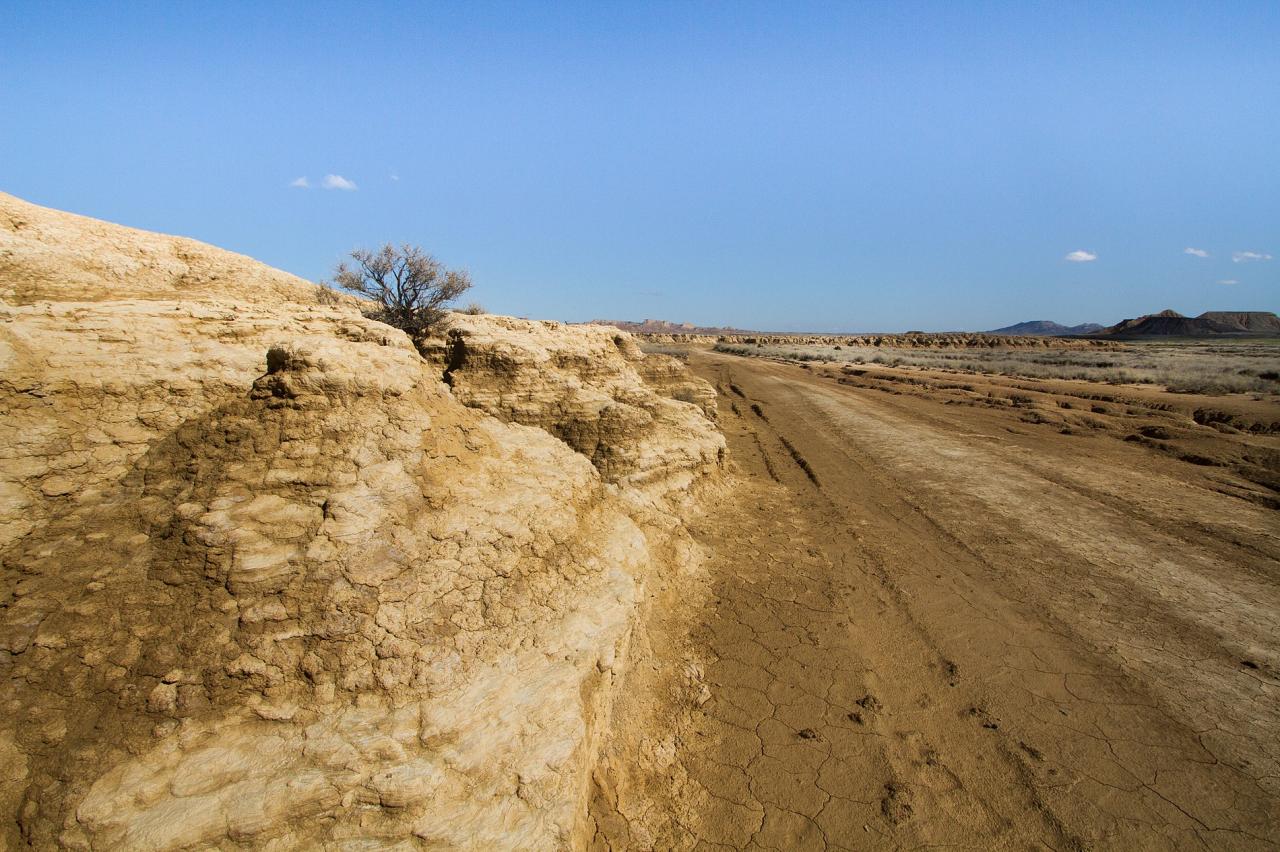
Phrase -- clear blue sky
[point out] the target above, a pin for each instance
(781, 166)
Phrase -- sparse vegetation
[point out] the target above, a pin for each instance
(474, 309)
(326, 295)
(1207, 368)
(408, 287)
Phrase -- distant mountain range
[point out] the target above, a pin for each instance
(1208, 324)
(1163, 324)
(1047, 328)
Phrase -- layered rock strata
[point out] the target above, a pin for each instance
(267, 581)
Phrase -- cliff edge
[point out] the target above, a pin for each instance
(267, 580)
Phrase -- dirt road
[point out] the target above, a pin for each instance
(932, 623)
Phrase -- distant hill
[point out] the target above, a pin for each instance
(1169, 323)
(1047, 328)
(1255, 322)
(652, 326)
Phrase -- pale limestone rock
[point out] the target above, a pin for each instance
(269, 582)
(592, 387)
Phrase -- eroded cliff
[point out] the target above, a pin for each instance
(593, 388)
(269, 581)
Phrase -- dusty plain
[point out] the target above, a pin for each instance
(974, 612)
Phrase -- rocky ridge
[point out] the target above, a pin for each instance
(266, 580)
(1170, 323)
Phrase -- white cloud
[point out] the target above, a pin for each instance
(1195, 252)
(1246, 256)
(395, 177)
(1081, 256)
(338, 182)
(301, 183)
(1228, 281)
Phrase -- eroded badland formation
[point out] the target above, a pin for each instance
(266, 579)
(273, 579)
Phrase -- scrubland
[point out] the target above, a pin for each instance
(1179, 366)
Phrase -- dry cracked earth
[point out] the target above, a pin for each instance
(937, 624)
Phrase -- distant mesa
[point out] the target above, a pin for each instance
(1170, 323)
(1254, 322)
(1039, 328)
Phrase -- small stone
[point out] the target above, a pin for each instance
(282, 712)
(56, 486)
(163, 699)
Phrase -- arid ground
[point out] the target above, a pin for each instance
(275, 576)
(973, 612)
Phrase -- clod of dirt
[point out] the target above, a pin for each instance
(985, 718)
(895, 804)
(870, 702)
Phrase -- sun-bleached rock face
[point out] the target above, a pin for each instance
(267, 582)
(47, 255)
(641, 420)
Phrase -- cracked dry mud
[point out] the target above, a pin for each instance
(925, 625)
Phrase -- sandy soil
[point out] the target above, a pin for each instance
(984, 613)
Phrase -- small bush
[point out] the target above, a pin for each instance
(326, 295)
(474, 309)
(409, 287)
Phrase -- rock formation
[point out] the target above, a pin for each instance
(268, 581)
(581, 386)
(1170, 323)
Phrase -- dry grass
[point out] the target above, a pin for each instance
(1182, 367)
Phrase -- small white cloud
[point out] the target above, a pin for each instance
(1228, 281)
(338, 182)
(1246, 256)
(1195, 252)
(395, 177)
(1080, 256)
(301, 183)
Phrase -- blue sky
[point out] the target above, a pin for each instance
(780, 166)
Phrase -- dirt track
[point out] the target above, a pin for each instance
(940, 624)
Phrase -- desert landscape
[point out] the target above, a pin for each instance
(639, 427)
(275, 579)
